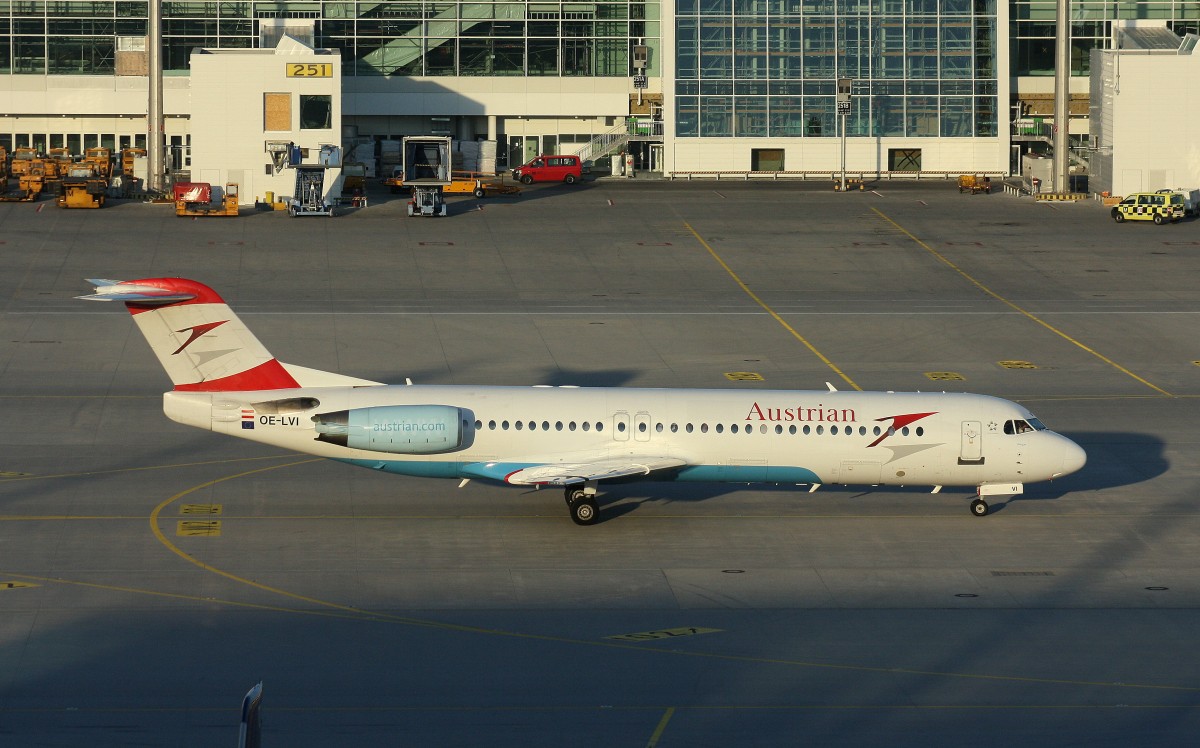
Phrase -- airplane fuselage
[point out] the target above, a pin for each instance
(774, 436)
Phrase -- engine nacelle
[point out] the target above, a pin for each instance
(399, 429)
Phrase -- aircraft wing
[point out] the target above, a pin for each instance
(524, 473)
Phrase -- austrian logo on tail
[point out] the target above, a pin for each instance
(197, 332)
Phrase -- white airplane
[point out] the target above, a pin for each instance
(577, 438)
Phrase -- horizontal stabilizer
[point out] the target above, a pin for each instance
(132, 293)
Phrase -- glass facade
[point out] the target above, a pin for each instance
(1032, 25)
(385, 37)
(769, 68)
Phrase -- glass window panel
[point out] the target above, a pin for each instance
(785, 47)
(716, 116)
(5, 54)
(495, 56)
(820, 119)
(687, 116)
(29, 54)
(956, 117)
(612, 57)
(786, 117)
(577, 57)
(750, 48)
(889, 115)
(687, 40)
(921, 116)
(985, 117)
(716, 52)
(820, 47)
(441, 56)
(751, 116)
(543, 57)
(80, 55)
(316, 112)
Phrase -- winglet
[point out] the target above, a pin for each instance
(133, 293)
(831, 387)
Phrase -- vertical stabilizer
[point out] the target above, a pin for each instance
(198, 339)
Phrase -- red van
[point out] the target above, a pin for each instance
(550, 169)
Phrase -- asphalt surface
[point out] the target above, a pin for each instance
(150, 574)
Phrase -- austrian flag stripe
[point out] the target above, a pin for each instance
(247, 418)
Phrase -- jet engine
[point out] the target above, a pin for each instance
(399, 429)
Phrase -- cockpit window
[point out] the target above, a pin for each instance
(1021, 427)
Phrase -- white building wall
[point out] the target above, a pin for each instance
(1155, 121)
(228, 116)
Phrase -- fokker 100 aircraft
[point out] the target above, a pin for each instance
(577, 438)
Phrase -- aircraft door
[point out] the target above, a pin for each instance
(641, 427)
(971, 450)
(620, 426)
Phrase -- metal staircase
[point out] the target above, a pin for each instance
(605, 143)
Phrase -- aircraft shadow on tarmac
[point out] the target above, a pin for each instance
(1115, 459)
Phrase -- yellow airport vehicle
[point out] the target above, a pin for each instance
(1159, 207)
(974, 184)
(82, 187)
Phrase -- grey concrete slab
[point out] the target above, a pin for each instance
(381, 609)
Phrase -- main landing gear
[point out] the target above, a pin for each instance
(581, 500)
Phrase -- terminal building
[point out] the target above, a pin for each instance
(684, 86)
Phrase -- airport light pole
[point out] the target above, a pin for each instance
(154, 108)
(1062, 92)
(843, 110)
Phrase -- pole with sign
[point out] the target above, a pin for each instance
(843, 110)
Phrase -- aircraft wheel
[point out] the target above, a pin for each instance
(979, 508)
(573, 494)
(584, 511)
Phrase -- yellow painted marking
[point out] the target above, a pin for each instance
(646, 636)
(945, 376)
(744, 376)
(16, 585)
(196, 528)
(770, 311)
(1027, 314)
(662, 726)
(200, 509)
(11, 474)
(1017, 365)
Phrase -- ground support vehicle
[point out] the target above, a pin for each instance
(426, 170)
(22, 160)
(81, 187)
(1160, 207)
(195, 199)
(567, 169)
(309, 197)
(974, 184)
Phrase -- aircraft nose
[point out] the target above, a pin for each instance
(1074, 458)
